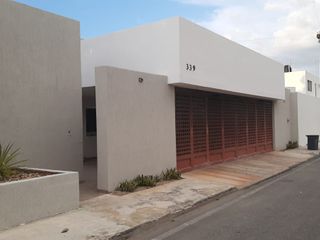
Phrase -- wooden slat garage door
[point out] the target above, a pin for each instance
(212, 128)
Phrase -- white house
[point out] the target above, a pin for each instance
(300, 109)
(170, 94)
(303, 82)
(188, 98)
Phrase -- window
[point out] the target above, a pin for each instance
(91, 122)
(309, 86)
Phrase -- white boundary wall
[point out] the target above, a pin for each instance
(135, 125)
(36, 198)
(308, 115)
(40, 86)
(282, 122)
(294, 118)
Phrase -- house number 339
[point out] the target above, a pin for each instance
(190, 67)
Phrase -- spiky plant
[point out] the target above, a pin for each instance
(8, 160)
(171, 174)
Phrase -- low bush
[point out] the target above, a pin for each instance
(292, 145)
(146, 181)
(171, 174)
(127, 186)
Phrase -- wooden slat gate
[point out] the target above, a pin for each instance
(212, 128)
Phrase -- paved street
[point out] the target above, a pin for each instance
(108, 215)
(286, 207)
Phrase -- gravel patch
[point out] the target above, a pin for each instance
(20, 174)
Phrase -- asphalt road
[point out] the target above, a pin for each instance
(286, 207)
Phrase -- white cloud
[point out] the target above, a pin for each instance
(283, 30)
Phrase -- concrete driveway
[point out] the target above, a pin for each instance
(249, 170)
(107, 215)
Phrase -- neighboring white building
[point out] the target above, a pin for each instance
(40, 86)
(204, 100)
(303, 82)
(300, 109)
(298, 116)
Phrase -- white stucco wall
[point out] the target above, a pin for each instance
(40, 86)
(135, 125)
(225, 65)
(294, 118)
(167, 46)
(33, 199)
(308, 115)
(298, 81)
(315, 84)
(149, 48)
(282, 122)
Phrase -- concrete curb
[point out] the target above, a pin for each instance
(124, 235)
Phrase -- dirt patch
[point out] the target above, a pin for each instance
(21, 174)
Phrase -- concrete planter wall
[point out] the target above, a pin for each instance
(32, 199)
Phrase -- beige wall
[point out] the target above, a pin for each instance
(40, 86)
(135, 125)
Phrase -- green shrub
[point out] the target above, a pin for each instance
(127, 186)
(171, 174)
(292, 145)
(8, 161)
(146, 181)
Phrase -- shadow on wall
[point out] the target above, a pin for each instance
(89, 123)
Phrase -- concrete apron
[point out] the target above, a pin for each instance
(109, 215)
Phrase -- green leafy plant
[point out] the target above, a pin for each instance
(171, 174)
(8, 160)
(127, 186)
(292, 145)
(146, 181)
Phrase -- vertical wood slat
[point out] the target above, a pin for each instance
(191, 131)
(214, 127)
(207, 131)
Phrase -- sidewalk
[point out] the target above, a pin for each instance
(107, 215)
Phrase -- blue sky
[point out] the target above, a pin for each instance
(98, 17)
(283, 30)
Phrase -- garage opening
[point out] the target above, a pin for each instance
(214, 127)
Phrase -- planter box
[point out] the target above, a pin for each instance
(32, 199)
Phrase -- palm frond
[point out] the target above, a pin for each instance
(8, 160)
